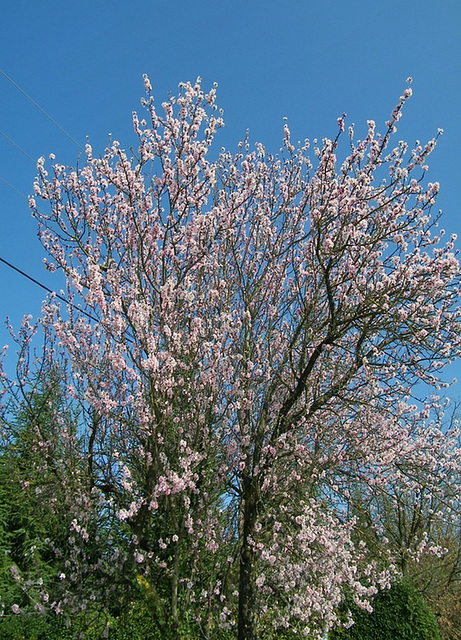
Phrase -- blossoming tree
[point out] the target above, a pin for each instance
(243, 338)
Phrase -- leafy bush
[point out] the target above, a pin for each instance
(34, 627)
(398, 614)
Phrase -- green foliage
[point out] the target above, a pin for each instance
(34, 627)
(33, 516)
(399, 613)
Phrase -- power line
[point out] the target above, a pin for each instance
(17, 146)
(23, 195)
(53, 293)
(41, 109)
(43, 286)
(11, 141)
(5, 262)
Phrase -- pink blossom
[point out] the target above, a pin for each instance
(242, 336)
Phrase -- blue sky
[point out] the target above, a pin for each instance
(308, 60)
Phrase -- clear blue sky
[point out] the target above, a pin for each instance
(308, 60)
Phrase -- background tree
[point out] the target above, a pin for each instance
(34, 520)
(44, 484)
(418, 517)
(243, 337)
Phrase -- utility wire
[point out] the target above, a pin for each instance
(23, 195)
(53, 293)
(11, 141)
(8, 264)
(41, 109)
(43, 286)
(17, 146)
(5, 262)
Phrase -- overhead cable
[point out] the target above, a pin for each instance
(17, 146)
(128, 339)
(41, 109)
(43, 286)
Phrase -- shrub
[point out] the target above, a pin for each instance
(399, 613)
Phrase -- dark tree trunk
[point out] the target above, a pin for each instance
(247, 600)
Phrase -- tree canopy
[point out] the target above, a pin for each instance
(241, 347)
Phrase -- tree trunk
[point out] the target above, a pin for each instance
(247, 599)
